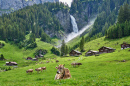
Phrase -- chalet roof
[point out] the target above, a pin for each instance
(76, 51)
(34, 58)
(93, 51)
(125, 43)
(90, 51)
(108, 48)
(29, 58)
(11, 62)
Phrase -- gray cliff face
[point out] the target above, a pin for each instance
(80, 18)
(6, 6)
(65, 21)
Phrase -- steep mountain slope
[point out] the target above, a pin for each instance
(12, 5)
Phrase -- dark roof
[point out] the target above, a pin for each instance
(91, 51)
(108, 48)
(29, 58)
(125, 43)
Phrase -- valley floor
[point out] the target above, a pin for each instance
(108, 69)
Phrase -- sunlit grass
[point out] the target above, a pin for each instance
(104, 70)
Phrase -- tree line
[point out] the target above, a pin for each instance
(36, 18)
(108, 12)
(122, 27)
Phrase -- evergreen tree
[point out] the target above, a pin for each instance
(63, 48)
(66, 50)
(121, 15)
(120, 32)
(82, 44)
(43, 37)
(126, 29)
(2, 57)
(126, 12)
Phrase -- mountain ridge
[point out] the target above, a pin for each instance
(7, 6)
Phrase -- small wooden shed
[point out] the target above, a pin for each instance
(11, 63)
(125, 45)
(75, 53)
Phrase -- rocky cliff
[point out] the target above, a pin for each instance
(65, 21)
(82, 18)
(6, 6)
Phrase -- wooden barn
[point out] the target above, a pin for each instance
(91, 52)
(125, 45)
(11, 63)
(106, 50)
(75, 53)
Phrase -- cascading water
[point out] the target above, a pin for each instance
(74, 24)
(72, 35)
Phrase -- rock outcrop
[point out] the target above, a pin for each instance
(65, 21)
(80, 18)
(6, 6)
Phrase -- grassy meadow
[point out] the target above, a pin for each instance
(107, 69)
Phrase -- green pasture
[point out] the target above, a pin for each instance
(107, 69)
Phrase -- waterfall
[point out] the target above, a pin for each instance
(74, 24)
(75, 32)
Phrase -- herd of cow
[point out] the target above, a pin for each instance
(38, 70)
(62, 73)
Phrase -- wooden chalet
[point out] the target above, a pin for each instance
(11, 63)
(29, 58)
(106, 50)
(75, 53)
(91, 52)
(125, 45)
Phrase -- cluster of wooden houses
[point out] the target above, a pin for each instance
(101, 50)
(36, 57)
(77, 53)
(92, 52)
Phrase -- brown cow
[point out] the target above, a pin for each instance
(62, 73)
(57, 61)
(43, 68)
(39, 69)
(29, 71)
(47, 61)
(74, 64)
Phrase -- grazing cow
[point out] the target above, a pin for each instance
(47, 61)
(62, 73)
(57, 61)
(74, 64)
(69, 60)
(43, 68)
(29, 71)
(39, 69)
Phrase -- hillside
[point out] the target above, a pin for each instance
(12, 5)
(105, 69)
(12, 52)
